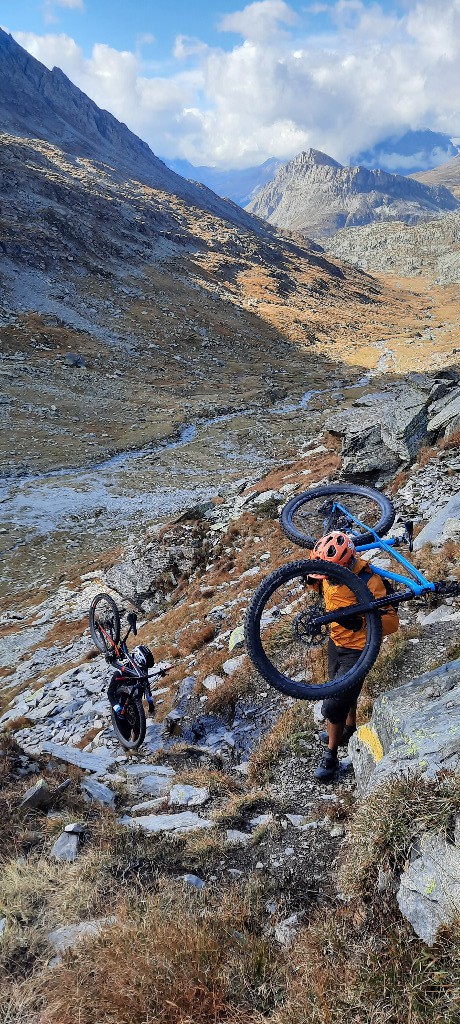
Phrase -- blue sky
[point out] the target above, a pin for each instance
(229, 84)
(125, 25)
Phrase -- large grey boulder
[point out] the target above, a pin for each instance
(442, 527)
(66, 847)
(382, 432)
(448, 415)
(150, 570)
(415, 728)
(429, 891)
(98, 792)
(38, 797)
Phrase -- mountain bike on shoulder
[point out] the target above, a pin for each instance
(288, 624)
(130, 683)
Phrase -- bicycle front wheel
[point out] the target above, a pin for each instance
(283, 642)
(310, 515)
(104, 623)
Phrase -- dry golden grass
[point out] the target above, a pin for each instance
(453, 441)
(15, 724)
(367, 967)
(193, 639)
(385, 825)
(209, 963)
(239, 808)
(439, 563)
(218, 783)
(235, 686)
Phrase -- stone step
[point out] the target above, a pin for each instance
(97, 763)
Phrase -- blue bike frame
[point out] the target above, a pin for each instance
(416, 582)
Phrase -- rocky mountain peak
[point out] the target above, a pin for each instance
(316, 196)
(313, 158)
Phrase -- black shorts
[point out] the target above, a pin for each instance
(341, 660)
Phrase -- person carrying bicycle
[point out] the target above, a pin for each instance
(346, 641)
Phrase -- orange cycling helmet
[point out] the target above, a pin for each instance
(335, 547)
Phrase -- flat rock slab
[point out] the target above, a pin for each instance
(429, 892)
(149, 769)
(236, 838)
(155, 785)
(68, 935)
(97, 763)
(184, 821)
(188, 796)
(233, 664)
(94, 790)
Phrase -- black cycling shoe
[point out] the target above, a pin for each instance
(347, 733)
(328, 767)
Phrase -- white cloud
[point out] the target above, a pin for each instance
(259, 21)
(280, 90)
(50, 5)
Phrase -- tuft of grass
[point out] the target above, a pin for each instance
(193, 639)
(209, 963)
(237, 685)
(386, 824)
(294, 727)
(369, 968)
(239, 808)
(15, 724)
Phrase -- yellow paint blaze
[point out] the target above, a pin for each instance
(369, 738)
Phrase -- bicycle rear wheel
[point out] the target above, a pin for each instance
(281, 639)
(129, 728)
(104, 623)
(309, 516)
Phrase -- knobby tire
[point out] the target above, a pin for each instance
(258, 639)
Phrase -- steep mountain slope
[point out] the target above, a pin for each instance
(241, 186)
(46, 105)
(315, 196)
(448, 174)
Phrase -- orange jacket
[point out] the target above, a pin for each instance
(341, 597)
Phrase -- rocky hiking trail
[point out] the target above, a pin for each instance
(220, 799)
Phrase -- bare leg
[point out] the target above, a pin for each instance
(335, 734)
(351, 717)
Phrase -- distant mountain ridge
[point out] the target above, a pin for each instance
(38, 103)
(316, 196)
(448, 175)
(410, 153)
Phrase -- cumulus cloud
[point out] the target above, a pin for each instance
(260, 21)
(282, 87)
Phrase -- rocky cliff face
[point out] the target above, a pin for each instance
(42, 104)
(431, 249)
(315, 196)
